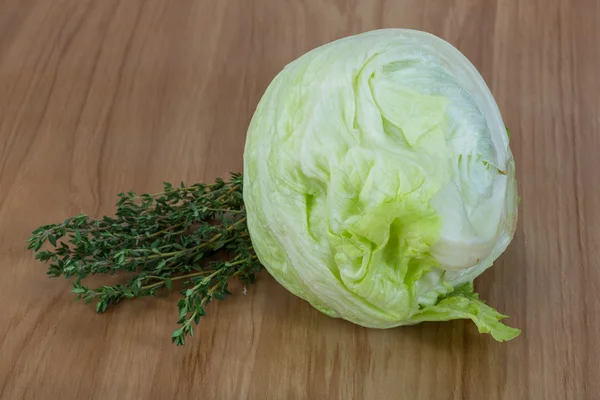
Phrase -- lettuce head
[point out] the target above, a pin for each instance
(379, 182)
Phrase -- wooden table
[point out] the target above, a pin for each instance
(105, 96)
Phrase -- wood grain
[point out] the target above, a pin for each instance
(104, 96)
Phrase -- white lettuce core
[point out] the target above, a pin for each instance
(379, 179)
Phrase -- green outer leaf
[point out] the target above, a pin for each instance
(464, 304)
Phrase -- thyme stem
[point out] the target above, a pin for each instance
(161, 238)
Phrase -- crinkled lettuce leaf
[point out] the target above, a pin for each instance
(464, 303)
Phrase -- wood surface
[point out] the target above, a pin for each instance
(103, 96)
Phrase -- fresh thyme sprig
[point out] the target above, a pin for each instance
(158, 238)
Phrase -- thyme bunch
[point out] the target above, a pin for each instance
(172, 236)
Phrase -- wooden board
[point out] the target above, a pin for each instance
(104, 96)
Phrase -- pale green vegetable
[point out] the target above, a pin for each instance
(379, 182)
